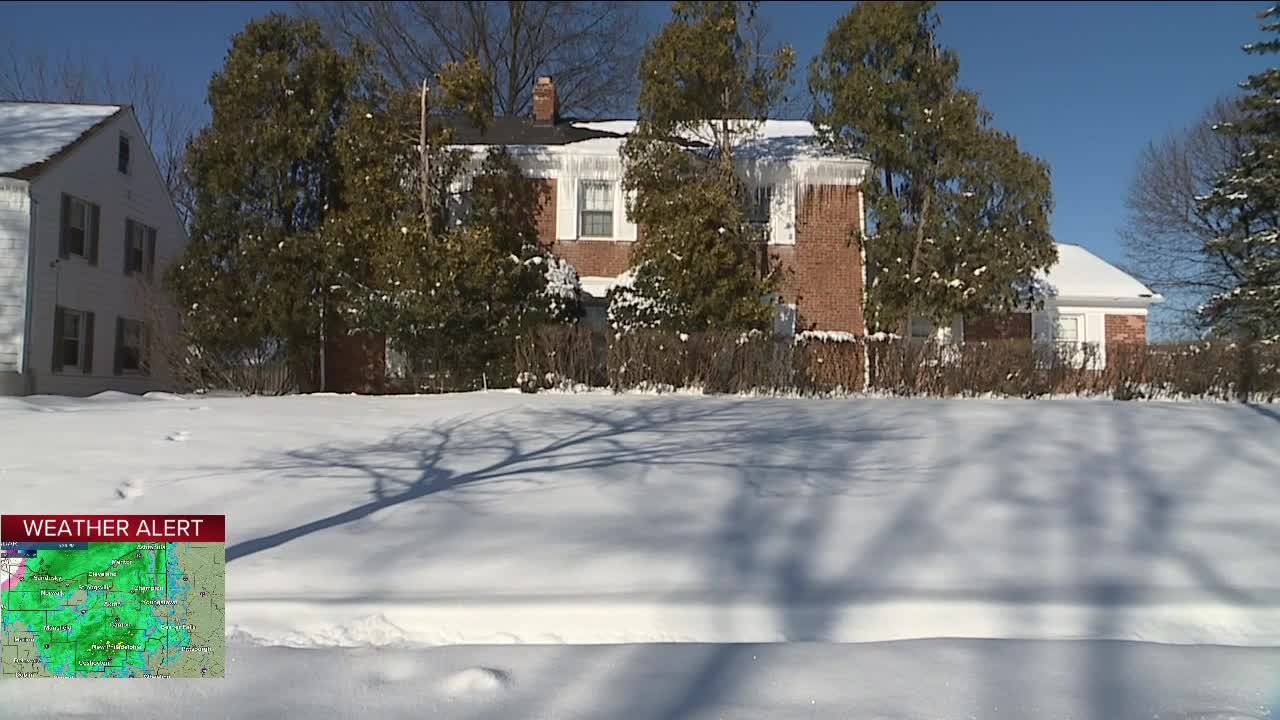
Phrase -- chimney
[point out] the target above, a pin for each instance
(546, 110)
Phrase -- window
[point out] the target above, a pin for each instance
(596, 219)
(784, 319)
(122, 155)
(1065, 346)
(130, 347)
(72, 340)
(1067, 329)
(79, 229)
(139, 248)
(760, 209)
(920, 328)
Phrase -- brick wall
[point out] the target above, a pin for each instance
(1016, 326)
(1126, 329)
(355, 363)
(821, 273)
(599, 258)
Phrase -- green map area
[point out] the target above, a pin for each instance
(114, 610)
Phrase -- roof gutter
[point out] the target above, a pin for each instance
(1129, 301)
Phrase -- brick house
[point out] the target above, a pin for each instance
(809, 200)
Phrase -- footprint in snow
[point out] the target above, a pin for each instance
(129, 489)
(475, 682)
(180, 436)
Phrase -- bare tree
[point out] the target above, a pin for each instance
(168, 121)
(590, 48)
(1166, 230)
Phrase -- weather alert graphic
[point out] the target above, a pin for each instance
(93, 596)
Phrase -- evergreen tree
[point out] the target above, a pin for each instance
(1246, 202)
(704, 78)
(265, 178)
(451, 288)
(959, 216)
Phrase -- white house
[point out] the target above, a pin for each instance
(85, 221)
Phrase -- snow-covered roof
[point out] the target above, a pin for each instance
(768, 140)
(1079, 274)
(32, 133)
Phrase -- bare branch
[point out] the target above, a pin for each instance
(1166, 232)
(591, 48)
(168, 121)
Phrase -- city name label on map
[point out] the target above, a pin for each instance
(114, 528)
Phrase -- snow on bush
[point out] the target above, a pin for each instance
(563, 289)
(825, 336)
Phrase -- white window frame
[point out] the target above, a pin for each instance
(126, 323)
(930, 330)
(85, 213)
(79, 316)
(135, 230)
(1076, 346)
(610, 194)
(760, 209)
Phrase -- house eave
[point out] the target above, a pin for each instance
(1128, 301)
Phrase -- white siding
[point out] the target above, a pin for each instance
(15, 223)
(89, 172)
(1093, 325)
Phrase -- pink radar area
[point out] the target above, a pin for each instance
(15, 575)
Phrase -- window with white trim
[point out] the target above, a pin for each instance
(130, 347)
(72, 340)
(139, 248)
(1068, 329)
(760, 210)
(77, 227)
(920, 328)
(595, 214)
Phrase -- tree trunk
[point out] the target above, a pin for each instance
(425, 181)
(915, 254)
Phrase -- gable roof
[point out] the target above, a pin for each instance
(1081, 275)
(34, 134)
(768, 140)
(524, 131)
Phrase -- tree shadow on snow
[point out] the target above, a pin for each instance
(1071, 503)
(457, 458)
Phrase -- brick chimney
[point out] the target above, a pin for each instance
(546, 109)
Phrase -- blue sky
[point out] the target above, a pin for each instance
(1082, 85)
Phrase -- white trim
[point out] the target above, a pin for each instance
(613, 195)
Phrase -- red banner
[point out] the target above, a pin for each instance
(113, 528)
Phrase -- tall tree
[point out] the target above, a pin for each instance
(589, 47)
(1167, 227)
(266, 177)
(168, 120)
(959, 215)
(1245, 200)
(451, 287)
(707, 78)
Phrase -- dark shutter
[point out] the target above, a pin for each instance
(91, 234)
(144, 360)
(64, 225)
(149, 261)
(128, 246)
(118, 364)
(87, 365)
(57, 329)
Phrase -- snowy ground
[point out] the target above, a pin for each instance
(493, 519)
